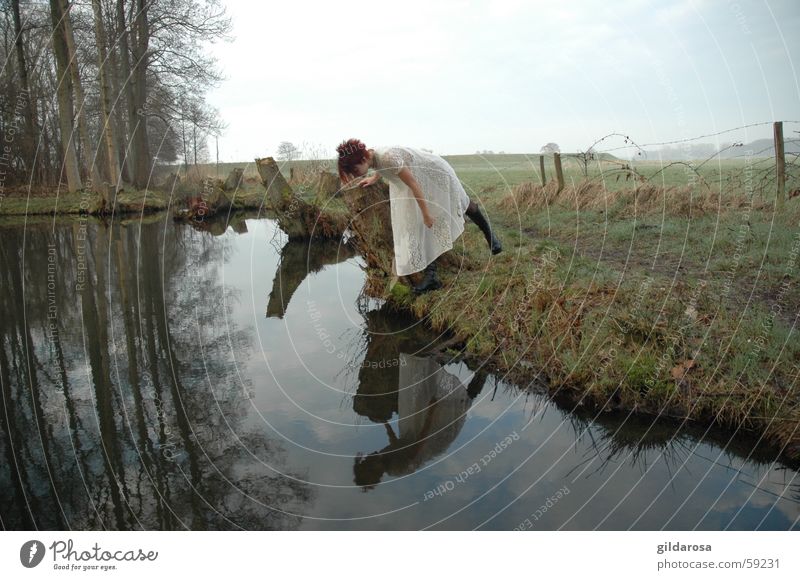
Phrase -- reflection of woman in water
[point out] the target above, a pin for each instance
(428, 204)
(432, 405)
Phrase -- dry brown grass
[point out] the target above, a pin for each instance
(642, 199)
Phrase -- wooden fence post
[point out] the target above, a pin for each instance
(780, 162)
(541, 169)
(559, 172)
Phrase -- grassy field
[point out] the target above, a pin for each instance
(489, 176)
(479, 172)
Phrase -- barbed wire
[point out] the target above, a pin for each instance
(706, 136)
(761, 168)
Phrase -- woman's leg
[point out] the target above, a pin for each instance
(476, 215)
(430, 279)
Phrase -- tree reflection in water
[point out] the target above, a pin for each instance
(122, 405)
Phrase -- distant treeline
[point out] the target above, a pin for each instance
(757, 148)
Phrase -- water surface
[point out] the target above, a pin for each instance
(161, 376)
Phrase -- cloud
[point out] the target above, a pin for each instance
(464, 75)
(676, 12)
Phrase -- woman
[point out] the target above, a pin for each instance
(432, 406)
(428, 204)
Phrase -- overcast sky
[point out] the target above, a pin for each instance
(458, 76)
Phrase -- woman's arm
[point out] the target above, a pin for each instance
(408, 178)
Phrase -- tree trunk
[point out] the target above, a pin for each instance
(141, 143)
(45, 167)
(279, 194)
(50, 129)
(120, 110)
(124, 35)
(28, 140)
(83, 129)
(185, 145)
(65, 103)
(298, 218)
(105, 98)
(327, 185)
(234, 180)
(371, 222)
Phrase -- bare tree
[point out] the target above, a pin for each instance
(139, 63)
(287, 151)
(30, 115)
(123, 33)
(106, 71)
(66, 105)
(89, 152)
(584, 158)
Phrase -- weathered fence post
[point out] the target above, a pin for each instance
(234, 179)
(559, 172)
(780, 162)
(299, 219)
(541, 170)
(278, 191)
(327, 185)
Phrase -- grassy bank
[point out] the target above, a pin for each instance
(127, 202)
(675, 301)
(80, 202)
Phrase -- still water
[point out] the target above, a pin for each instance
(157, 376)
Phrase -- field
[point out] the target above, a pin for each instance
(480, 173)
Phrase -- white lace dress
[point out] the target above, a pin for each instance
(415, 245)
(432, 406)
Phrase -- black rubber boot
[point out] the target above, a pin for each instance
(476, 384)
(476, 215)
(430, 281)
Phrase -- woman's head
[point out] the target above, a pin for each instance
(354, 159)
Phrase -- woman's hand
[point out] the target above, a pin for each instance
(427, 219)
(367, 181)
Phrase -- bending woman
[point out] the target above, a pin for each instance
(427, 201)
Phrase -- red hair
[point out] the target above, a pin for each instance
(351, 153)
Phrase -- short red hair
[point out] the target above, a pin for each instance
(351, 153)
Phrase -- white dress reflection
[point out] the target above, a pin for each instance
(432, 407)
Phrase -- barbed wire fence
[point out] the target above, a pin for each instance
(765, 170)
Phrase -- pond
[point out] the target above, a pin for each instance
(161, 376)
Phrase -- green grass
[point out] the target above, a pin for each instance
(82, 202)
(500, 172)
